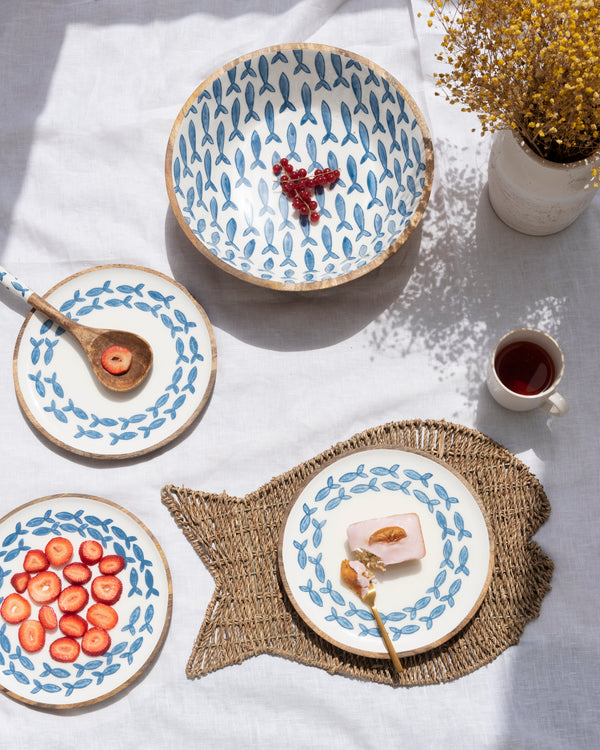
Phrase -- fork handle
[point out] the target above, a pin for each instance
(386, 639)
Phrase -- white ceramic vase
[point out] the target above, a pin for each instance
(534, 195)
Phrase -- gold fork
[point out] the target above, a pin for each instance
(369, 600)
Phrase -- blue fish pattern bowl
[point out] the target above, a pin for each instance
(319, 107)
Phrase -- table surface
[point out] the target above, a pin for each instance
(90, 91)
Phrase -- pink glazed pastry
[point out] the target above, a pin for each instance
(379, 542)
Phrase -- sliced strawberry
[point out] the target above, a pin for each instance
(59, 551)
(106, 589)
(73, 625)
(116, 359)
(90, 552)
(15, 608)
(77, 572)
(73, 599)
(47, 616)
(110, 565)
(20, 580)
(32, 635)
(102, 616)
(64, 649)
(35, 561)
(95, 642)
(44, 587)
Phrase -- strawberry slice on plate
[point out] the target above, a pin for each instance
(102, 616)
(73, 625)
(110, 565)
(116, 359)
(77, 572)
(47, 616)
(32, 635)
(35, 561)
(44, 587)
(64, 649)
(90, 552)
(59, 551)
(19, 581)
(15, 608)
(73, 599)
(95, 642)
(106, 589)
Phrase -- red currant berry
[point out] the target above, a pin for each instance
(313, 205)
(314, 217)
(302, 172)
(277, 168)
(284, 162)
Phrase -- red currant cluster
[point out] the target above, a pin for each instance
(297, 185)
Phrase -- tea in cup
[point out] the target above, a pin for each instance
(525, 369)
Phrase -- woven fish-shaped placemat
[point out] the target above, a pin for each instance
(250, 614)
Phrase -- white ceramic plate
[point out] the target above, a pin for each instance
(144, 608)
(422, 603)
(319, 107)
(63, 399)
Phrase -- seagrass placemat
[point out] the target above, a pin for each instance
(250, 614)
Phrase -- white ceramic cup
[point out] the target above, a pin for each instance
(549, 399)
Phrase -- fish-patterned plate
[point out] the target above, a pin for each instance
(422, 603)
(59, 392)
(144, 609)
(319, 107)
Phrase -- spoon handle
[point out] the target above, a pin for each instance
(14, 285)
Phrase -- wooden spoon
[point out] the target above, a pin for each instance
(93, 341)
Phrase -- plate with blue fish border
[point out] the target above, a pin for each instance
(422, 603)
(59, 392)
(320, 107)
(144, 608)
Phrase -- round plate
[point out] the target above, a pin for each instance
(422, 603)
(144, 608)
(319, 107)
(59, 392)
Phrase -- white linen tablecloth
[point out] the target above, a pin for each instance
(89, 91)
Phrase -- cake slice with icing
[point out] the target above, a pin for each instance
(379, 542)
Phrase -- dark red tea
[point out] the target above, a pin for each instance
(525, 367)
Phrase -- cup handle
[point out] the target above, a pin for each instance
(556, 405)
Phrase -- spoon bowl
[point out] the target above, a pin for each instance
(93, 341)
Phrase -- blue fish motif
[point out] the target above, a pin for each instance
(148, 616)
(189, 200)
(249, 249)
(199, 191)
(372, 188)
(357, 90)
(172, 410)
(319, 569)
(220, 145)
(437, 584)
(320, 199)
(291, 137)
(326, 115)
(460, 525)
(96, 291)
(317, 536)
(352, 476)
(452, 591)
(205, 120)
(263, 194)
(192, 375)
(161, 401)
(230, 230)
(387, 96)
(374, 104)
(315, 597)
(372, 78)
(218, 94)
(311, 148)
(269, 233)
(309, 259)
(463, 556)
(56, 386)
(443, 524)
(343, 621)
(447, 553)
(192, 137)
(347, 120)
(195, 350)
(301, 547)
(391, 123)
(328, 590)
(352, 170)
(308, 240)
(177, 176)
(389, 202)
(301, 67)
(408, 162)
(417, 152)
(79, 413)
(419, 605)
(226, 188)
(263, 71)
(320, 68)
(86, 310)
(249, 219)
(135, 419)
(382, 152)
(209, 184)
(233, 86)
(336, 62)
(58, 413)
(340, 207)
(402, 117)
(327, 241)
(435, 613)
(359, 218)
(284, 208)
(248, 70)
(249, 97)
(398, 176)
(187, 172)
(270, 120)
(284, 88)
(235, 119)
(288, 247)
(240, 165)
(255, 145)
(306, 96)
(365, 141)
